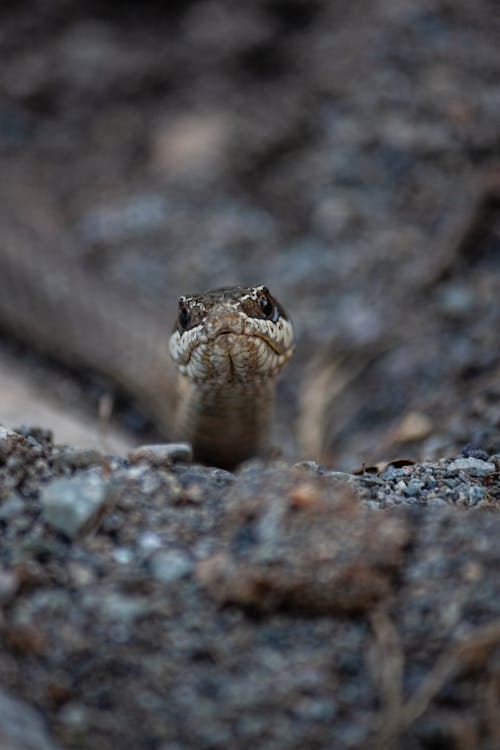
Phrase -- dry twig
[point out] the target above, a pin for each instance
(396, 716)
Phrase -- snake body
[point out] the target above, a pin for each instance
(228, 345)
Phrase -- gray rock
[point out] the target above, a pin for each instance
(414, 487)
(149, 541)
(122, 608)
(123, 555)
(22, 727)
(473, 466)
(75, 505)
(5, 433)
(12, 507)
(169, 565)
(476, 494)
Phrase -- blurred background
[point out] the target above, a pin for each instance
(344, 154)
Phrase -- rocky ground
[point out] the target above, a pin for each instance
(151, 603)
(346, 155)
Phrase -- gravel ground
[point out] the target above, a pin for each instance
(149, 603)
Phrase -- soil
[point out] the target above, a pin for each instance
(347, 156)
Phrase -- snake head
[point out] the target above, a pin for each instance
(231, 334)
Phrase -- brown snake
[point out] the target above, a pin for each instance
(228, 345)
(225, 410)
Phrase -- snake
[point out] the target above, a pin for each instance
(229, 344)
(213, 384)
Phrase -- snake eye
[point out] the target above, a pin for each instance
(268, 307)
(184, 316)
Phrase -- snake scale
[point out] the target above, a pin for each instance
(228, 346)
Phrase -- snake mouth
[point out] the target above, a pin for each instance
(266, 339)
(230, 356)
(279, 351)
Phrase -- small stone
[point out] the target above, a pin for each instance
(21, 726)
(170, 565)
(74, 716)
(5, 434)
(78, 458)
(137, 472)
(122, 608)
(75, 505)
(304, 495)
(473, 466)
(307, 466)
(471, 452)
(414, 487)
(123, 555)
(476, 494)
(81, 575)
(9, 583)
(149, 541)
(11, 508)
(162, 454)
(342, 475)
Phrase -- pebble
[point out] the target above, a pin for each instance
(476, 467)
(123, 555)
(76, 504)
(341, 475)
(170, 565)
(77, 458)
(476, 494)
(11, 508)
(22, 727)
(414, 487)
(162, 454)
(308, 466)
(149, 541)
(121, 608)
(5, 434)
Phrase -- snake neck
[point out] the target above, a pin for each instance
(226, 423)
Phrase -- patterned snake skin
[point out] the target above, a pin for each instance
(55, 306)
